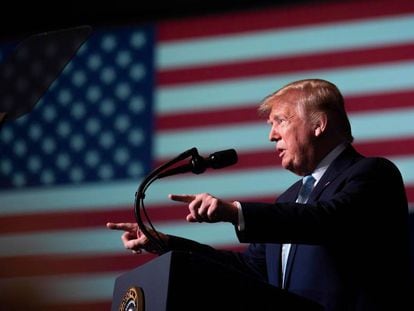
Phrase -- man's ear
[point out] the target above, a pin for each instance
(320, 124)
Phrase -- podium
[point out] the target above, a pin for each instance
(190, 281)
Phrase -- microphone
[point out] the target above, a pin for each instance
(198, 164)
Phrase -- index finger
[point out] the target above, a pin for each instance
(186, 198)
(121, 226)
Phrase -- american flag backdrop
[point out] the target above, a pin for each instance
(134, 97)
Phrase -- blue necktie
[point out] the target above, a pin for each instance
(303, 196)
(306, 189)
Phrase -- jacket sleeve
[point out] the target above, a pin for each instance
(363, 200)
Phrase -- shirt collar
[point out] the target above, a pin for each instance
(326, 161)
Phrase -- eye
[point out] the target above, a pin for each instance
(277, 121)
(280, 121)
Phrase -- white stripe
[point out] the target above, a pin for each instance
(242, 137)
(253, 136)
(90, 198)
(105, 195)
(240, 92)
(286, 42)
(396, 123)
(60, 289)
(105, 241)
(233, 185)
(406, 166)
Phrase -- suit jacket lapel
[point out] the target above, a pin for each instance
(348, 157)
(288, 196)
(273, 254)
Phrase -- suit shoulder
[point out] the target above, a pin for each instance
(377, 165)
(378, 162)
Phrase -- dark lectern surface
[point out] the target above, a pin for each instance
(189, 281)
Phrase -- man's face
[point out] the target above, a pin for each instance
(294, 137)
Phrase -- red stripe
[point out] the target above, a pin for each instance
(91, 219)
(268, 158)
(278, 17)
(54, 265)
(57, 265)
(24, 298)
(278, 65)
(410, 194)
(380, 101)
(387, 148)
(80, 219)
(82, 306)
(248, 114)
(63, 220)
(250, 160)
(178, 121)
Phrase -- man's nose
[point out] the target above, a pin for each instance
(274, 135)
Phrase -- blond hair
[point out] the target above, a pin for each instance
(313, 96)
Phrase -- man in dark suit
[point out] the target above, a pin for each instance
(339, 236)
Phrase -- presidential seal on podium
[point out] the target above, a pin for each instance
(133, 300)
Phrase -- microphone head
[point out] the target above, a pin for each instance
(223, 158)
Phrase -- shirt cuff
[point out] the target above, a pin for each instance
(240, 222)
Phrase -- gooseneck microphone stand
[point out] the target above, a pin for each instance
(197, 165)
(139, 207)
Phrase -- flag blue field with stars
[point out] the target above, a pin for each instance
(95, 122)
(134, 97)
